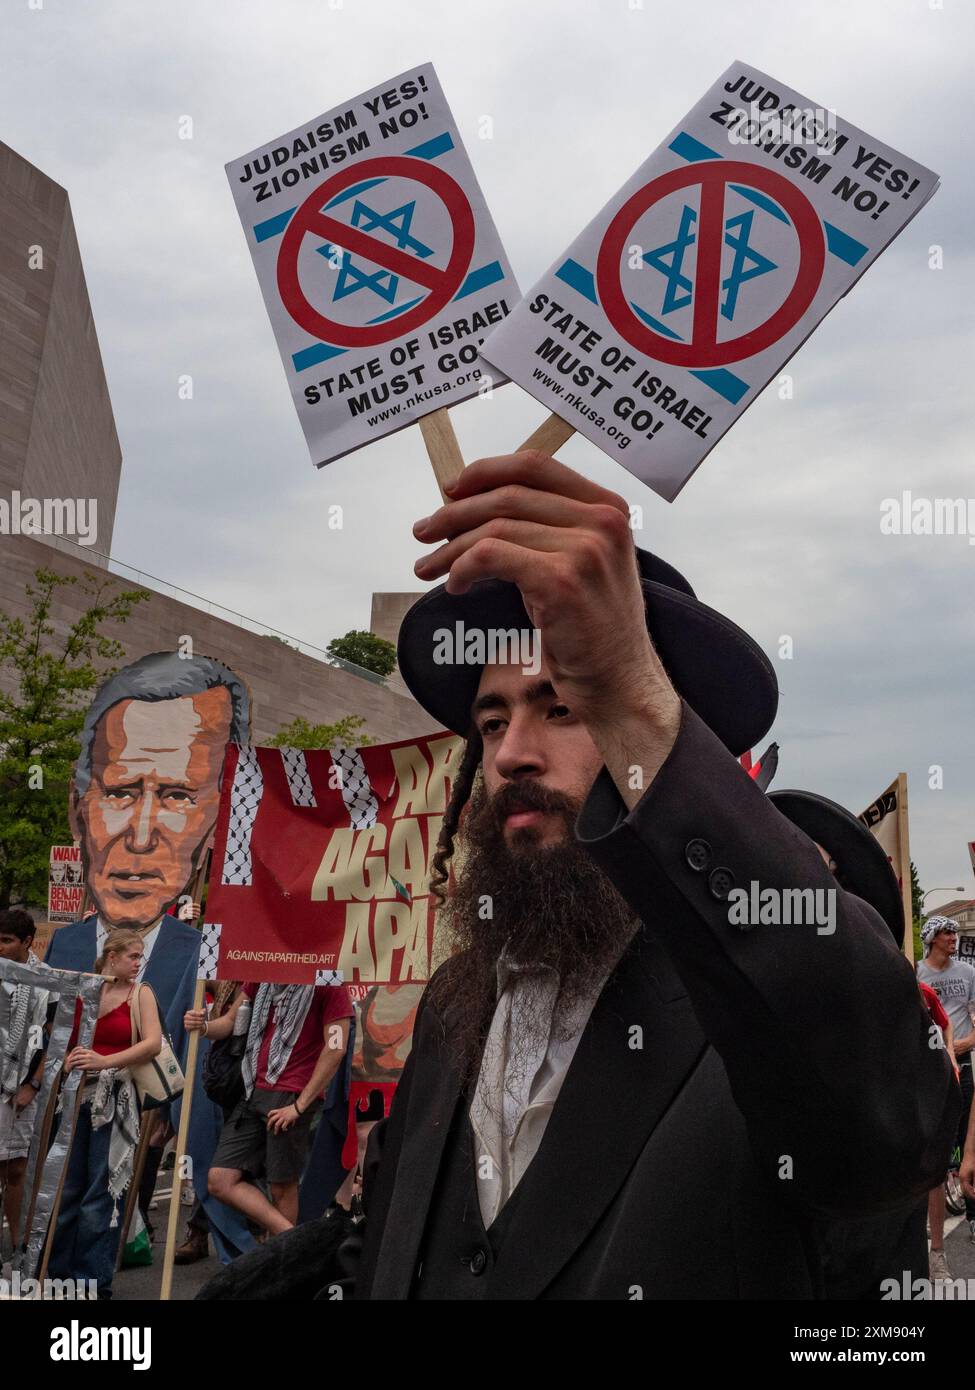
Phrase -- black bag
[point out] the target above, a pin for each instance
(221, 1076)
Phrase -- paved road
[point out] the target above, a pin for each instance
(144, 1282)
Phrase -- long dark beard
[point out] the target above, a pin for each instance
(550, 905)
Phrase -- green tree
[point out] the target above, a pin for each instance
(48, 673)
(917, 908)
(300, 734)
(364, 649)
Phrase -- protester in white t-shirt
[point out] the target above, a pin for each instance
(953, 981)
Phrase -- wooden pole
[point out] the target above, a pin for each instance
(138, 1167)
(196, 886)
(550, 435)
(442, 447)
(184, 1126)
(904, 854)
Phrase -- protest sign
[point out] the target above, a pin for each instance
(702, 276)
(886, 819)
(322, 862)
(65, 884)
(379, 262)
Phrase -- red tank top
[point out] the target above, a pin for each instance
(113, 1031)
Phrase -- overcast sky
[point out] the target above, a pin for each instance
(780, 527)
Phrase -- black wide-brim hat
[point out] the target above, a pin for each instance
(720, 671)
(862, 866)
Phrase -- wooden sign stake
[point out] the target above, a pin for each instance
(196, 886)
(904, 853)
(132, 1196)
(550, 435)
(442, 448)
(184, 1127)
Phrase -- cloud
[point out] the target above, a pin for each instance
(780, 527)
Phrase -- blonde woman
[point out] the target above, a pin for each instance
(100, 1164)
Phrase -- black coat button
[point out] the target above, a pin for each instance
(721, 882)
(698, 855)
(478, 1262)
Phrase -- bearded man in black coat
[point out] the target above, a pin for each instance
(624, 1083)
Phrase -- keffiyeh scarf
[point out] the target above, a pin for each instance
(21, 1006)
(291, 1004)
(114, 1103)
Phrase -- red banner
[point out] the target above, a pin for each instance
(322, 862)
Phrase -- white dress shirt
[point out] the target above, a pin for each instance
(517, 1086)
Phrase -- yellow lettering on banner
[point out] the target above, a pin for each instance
(343, 867)
(412, 771)
(334, 867)
(443, 751)
(406, 859)
(356, 955)
(390, 929)
(366, 883)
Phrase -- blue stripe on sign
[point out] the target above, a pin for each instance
(321, 352)
(725, 383)
(274, 226)
(692, 150)
(478, 279)
(440, 144)
(311, 356)
(844, 246)
(430, 149)
(578, 278)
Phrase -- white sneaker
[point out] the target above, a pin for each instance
(938, 1265)
(971, 1228)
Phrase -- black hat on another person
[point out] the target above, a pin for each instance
(720, 671)
(862, 866)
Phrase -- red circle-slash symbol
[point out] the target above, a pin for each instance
(704, 349)
(442, 284)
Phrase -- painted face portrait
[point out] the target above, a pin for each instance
(146, 795)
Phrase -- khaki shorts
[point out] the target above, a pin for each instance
(16, 1131)
(248, 1145)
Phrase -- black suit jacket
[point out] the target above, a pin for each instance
(772, 1131)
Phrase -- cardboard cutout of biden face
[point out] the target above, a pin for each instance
(146, 787)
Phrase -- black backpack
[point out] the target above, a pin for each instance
(221, 1075)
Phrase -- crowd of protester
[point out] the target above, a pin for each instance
(274, 1052)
